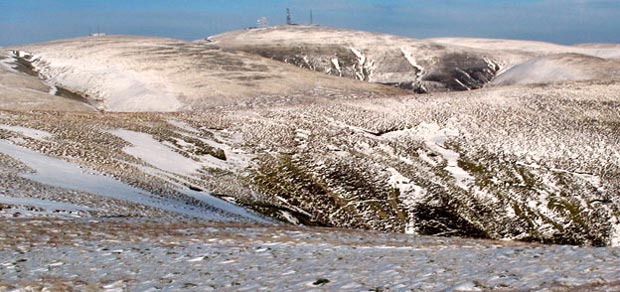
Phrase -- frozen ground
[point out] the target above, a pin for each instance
(150, 256)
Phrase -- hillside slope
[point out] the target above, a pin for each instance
(423, 65)
(536, 163)
(512, 161)
(409, 63)
(133, 74)
(22, 91)
(559, 67)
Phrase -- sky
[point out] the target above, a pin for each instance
(566, 22)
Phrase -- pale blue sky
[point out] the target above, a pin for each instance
(568, 21)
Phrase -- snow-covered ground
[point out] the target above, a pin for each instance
(171, 256)
(513, 162)
(20, 91)
(560, 67)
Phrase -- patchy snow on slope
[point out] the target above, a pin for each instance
(157, 154)
(43, 204)
(360, 57)
(404, 185)
(183, 125)
(28, 132)
(7, 62)
(224, 206)
(60, 173)
(336, 64)
(434, 138)
(222, 139)
(236, 158)
(53, 90)
(410, 195)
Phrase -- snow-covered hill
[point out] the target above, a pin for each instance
(427, 64)
(130, 74)
(510, 161)
(535, 163)
(412, 64)
(559, 67)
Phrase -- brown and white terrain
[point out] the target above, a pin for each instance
(278, 158)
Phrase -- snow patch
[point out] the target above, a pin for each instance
(8, 63)
(224, 205)
(336, 64)
(184, 126)
(53, 90)
(410, 195)
(28, 132)
(411, 59)
(360, 57)
(461, 84)
(155, 153)
(289, 217)
(434, 138)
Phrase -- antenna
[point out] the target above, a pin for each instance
(289, 20)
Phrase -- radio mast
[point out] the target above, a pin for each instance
(289, 19)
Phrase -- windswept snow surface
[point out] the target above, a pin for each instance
(153, 256)
(607, 51)
(562, 67)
